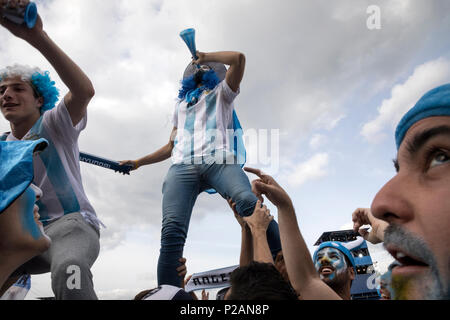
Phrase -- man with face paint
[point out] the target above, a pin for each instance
(415, 203)
(28, 100)
(336, 267)
(202, 147)
(21, 233)
(300, 266)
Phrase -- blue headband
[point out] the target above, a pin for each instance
(434, 103)
(16, 168)
(336, 245)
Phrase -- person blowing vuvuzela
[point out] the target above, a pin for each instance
(204, 153)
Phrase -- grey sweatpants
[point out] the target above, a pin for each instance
(74, 249)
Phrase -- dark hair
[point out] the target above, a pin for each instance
(259, 281)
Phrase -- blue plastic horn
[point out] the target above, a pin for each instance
(188, 37)
(19, 15)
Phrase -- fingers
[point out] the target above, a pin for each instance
(270, 217)
(253, 170)
(260, 218)
(261, 187)
(256, 191)
(363, 233)
(199, 58)
(205, 295)
(133, 163)
(263, 176)
(24, 3)
(182, 270)
(360, 217)
(232, 204)
(257, 172)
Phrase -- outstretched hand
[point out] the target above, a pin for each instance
(266, 185)
(363, 216)
(21, 30)
(133, 163)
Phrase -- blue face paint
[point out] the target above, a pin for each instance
(333, 258)
(26, 210)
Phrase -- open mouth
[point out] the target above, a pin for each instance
(408, 262)
(326, 270)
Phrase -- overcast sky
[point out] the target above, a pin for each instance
(327, 89)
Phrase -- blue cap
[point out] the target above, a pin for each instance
(434, 103)
(16, 168)
(336, 245)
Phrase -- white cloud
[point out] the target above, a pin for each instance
(404, 96)
(305, 70)
(314, 168)
(317, 141)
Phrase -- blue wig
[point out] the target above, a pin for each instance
(39, 80)
(45, 88)
(209, 81)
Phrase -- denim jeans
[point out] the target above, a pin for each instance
(183, 183)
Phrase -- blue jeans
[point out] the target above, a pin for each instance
(183, 183)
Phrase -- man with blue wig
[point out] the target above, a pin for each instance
(27, 101)
(415, 203)
(206, 154)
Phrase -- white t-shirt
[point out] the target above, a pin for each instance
(57, 168)
(206, 127)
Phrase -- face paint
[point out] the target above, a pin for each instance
(428, 284)
(329, 263)
(26, 204)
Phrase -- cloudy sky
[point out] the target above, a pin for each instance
(322, 93)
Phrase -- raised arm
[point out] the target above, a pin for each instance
(363, 216)
(236, 61)
(80, 87)
(161, 154)
(246, 255)
(258, 223)
(299, 264)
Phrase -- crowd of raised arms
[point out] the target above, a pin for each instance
(48, 224)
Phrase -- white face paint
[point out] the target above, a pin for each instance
(329, 263)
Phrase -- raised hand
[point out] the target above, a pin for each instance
(260, 218)
(21, 30)
(133, 163)
(266, 185)
(363, 216)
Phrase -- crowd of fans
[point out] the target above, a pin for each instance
(47, 228)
